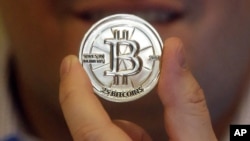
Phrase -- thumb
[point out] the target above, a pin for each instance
(185, 109)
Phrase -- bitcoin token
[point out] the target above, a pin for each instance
(121, 55)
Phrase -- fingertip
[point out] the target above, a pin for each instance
(66, 64)
(172, 64)
(173, 53)
(172, 40)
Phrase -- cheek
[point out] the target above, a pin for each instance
(39, 39)
(31, 38)
(217, 51)
(219, 57)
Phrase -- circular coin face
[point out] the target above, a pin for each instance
(121, 54)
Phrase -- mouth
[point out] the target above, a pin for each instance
(152, 12)
(150, 15)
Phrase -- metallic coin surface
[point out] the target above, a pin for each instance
(121, 54)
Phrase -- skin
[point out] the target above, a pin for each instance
(215, 42)
(186, 106)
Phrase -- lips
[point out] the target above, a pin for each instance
(151, 12)
(150, 15)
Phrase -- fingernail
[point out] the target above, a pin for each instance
(181, 56)
(67, 64)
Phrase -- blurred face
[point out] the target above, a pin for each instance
(41, 32)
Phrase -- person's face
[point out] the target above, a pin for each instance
(215, 35)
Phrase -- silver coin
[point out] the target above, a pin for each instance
(121, 54)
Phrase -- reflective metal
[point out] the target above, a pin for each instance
(121, 54)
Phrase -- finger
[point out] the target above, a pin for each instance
(135, 132)
(186, 113)
(85, 116)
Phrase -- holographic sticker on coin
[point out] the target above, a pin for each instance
(121, 54)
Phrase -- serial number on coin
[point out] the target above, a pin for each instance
(121, 54)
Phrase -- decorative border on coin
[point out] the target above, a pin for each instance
(121, 54)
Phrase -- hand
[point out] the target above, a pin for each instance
(186, 114)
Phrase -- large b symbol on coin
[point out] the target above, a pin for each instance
(117, 56)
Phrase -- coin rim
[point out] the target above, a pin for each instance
(110, 19)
